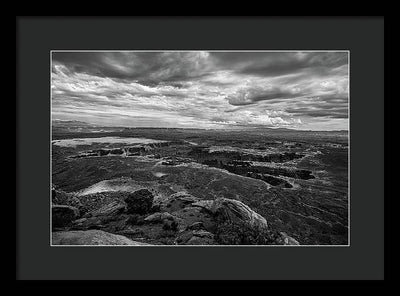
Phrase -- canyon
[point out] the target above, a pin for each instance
(296, 181)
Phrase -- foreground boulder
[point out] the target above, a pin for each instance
(139, 202)
(205, 204)
(62, 215)
(113, 208)
(169, 221)
(159, 217)
(238, 224)
(179, 218)
(190, 215)
(110, 217)
(195, 237)
(91, 237)
(234, 211)
(176, 202)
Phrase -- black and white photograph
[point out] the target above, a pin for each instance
(203, 148)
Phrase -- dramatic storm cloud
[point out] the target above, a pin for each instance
(301, 90)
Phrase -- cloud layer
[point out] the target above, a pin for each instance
(302, 90)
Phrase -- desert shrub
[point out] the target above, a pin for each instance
(240, 233)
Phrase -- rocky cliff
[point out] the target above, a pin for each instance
(140, 218)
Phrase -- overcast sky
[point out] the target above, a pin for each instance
(301, 90)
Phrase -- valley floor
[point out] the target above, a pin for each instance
(163, 187)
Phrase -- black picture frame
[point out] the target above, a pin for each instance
(362, 260)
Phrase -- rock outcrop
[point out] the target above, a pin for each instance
(241, 163)
(113, 208)
(176, 201)
(136, 150)
(159, 217)
(195, 237)
(179, 218)
(232, 211)
(205, 204)
(179, 208)
(91, 237)
(205, 154)
(169, 221)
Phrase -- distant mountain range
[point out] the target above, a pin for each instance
(76, 125)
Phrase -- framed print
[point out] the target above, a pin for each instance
(199, 153)
(181, 148)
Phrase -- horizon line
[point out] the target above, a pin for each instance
(198, 128)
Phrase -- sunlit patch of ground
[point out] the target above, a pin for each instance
(159, 174)
(119, 184)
